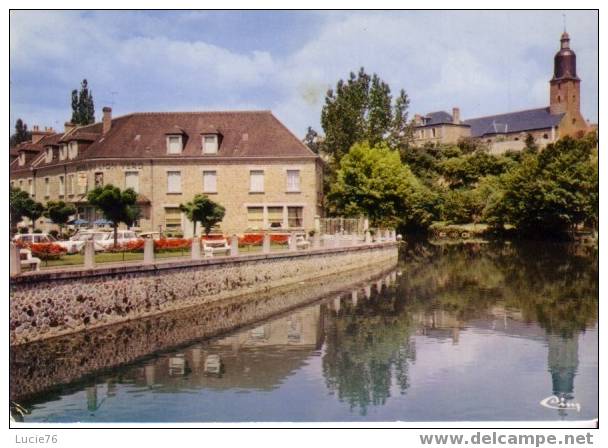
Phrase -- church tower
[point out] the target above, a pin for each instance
(565, 89)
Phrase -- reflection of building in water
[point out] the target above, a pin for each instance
(439, 324)
(563, 365)
(256, 358)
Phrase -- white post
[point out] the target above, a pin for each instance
(317, 224)
(89, 255)
(316, 240)
(292, 242)
(266, 243)
(196, 248)
(15, 260)
(353, 297)
(149, 251)
(368, 236)
(366, 224)
(234, 246)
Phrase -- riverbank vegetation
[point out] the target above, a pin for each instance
(373, 169)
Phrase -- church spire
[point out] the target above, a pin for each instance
(565, 60)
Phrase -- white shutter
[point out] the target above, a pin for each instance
(132, 180)
(174, 182)
(210, 144)
(174, 144)
(209, 182)
(256, 181)
(293, 180)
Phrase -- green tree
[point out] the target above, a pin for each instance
(204, 210)
(34, 211)
(372, 181)
(530, 143)
(83, 108)
(115, 205)
(311, 139)
(21, 134)
(362, 109)
(551, 192)
(20, 204)
(59, 212)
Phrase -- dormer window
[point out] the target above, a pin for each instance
(73, 150)
(48, 158)
(174, 144)
(210, 144)
(63, 152)
(22, 159)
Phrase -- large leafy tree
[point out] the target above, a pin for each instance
(21, 133)
(362, 109)
(34, 212)
(59, 212)
(551, 192)
(204, 210)
(372, 181)
(115, 204)
(83, 108)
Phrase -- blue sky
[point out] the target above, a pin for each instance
(483, 62)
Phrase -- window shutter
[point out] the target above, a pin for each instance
(209, 182)
(293, 180)
(132, 180)
(174, 182)
(256, 181)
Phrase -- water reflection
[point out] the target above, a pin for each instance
(472, 333)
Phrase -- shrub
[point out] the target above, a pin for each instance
(172, 244)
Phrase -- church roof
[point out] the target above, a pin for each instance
(440, 117)
(525, 120)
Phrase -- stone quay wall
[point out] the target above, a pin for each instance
(54, 303)
(36, 367)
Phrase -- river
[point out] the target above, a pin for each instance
(468, 332)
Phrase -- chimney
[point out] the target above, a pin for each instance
(68, 126)
(455, 115)
(37, 134)
(417, 119)
(107, 119)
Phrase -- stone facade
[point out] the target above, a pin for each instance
(250, 144)
(47, 304)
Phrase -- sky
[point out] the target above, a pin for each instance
(485, 62)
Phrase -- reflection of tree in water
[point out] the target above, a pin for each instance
(368, 349)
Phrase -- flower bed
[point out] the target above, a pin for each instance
(256, 239)
(172, 244)
(47, 251)
(130, 246)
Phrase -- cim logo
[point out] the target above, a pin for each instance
(560, 403)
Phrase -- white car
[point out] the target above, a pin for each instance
(124, 236)
(33, 238)
(76, 243)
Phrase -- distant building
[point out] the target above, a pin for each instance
(508, 131)
(248, 161)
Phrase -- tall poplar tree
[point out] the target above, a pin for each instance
(83, 108)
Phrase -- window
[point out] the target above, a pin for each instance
(209, 182)
(209, 144)
(433, 132)
(98, 180)
(174, 144)
(13, 183)
(293, 180)
(173, 218)
(83, 183)
(72, 150)
(174, 182)
(558, 99)
(275, 217)
(294, 216)
(61, 185)
(63, 151)
(545, 136)
(30, 186)
(255, 217)
(256, 181)
(20, 184)
(132, 180)
(22, 159)
(70, 185)
(49, 155)
(47, 187)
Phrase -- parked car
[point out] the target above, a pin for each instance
(124, 236)
(76, 243)
(151, 235)
(33, 238)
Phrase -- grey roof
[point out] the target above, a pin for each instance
(440, 117)
(525, 120)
